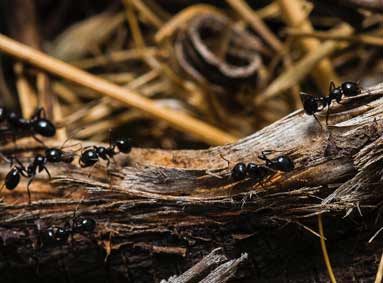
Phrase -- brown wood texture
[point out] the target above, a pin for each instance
(158, 212)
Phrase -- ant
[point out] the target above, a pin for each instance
(259, 172)
(52, 155)
(312, 104)
(38, 124)
(90, 156)
(13, 177)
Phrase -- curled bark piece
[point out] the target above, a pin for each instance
(201, 269)
(225, 271)
(212, 49)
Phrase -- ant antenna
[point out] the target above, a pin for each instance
(331, 86)
(70, 137)
(228, 161)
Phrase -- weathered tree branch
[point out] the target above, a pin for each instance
(153, 204)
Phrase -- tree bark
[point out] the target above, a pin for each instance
(158, 212)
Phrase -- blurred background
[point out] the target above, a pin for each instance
(236, 65)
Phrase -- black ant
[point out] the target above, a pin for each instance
(90, 156)
(13, 177)
(38, 124)
(52, 155)
(258, 172)
(312, 104)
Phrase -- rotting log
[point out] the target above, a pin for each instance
(158, 212)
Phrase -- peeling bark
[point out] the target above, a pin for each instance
(159, 212)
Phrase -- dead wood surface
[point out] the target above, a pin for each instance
(158, 212)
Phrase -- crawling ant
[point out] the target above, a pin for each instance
(312, 104)
(12, 179)
(259, 172)
(52, 155)
(91, 155)
(37, 125)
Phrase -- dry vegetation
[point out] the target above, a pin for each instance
(184, 75)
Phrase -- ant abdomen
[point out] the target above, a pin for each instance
(12, 179)
(44, 128)
(88, 158)
(239, 172)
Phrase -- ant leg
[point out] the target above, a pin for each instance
(49, 174)
(6, 158)
(40, 113)
(327, 115)
(264, 154)
(228, 162)
(331, 86)
(91, 169)
(22, 168)
(2, 187)
(38, 140)
(320, 124)
(28, 190)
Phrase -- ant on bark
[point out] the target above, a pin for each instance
(52, 155)
(259, 172)
(313, 104)
(54, 236)
(93, 154)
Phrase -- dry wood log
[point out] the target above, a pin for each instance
(158, 212)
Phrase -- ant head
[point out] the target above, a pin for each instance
(284, 163)
(124, 145)
(350, 88)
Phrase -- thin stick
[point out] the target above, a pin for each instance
(324, 250)
(256, 23)
(295, 17)
(359, 38)
(147, 13)
(302, 68)
(127, 97)
(379, 274)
